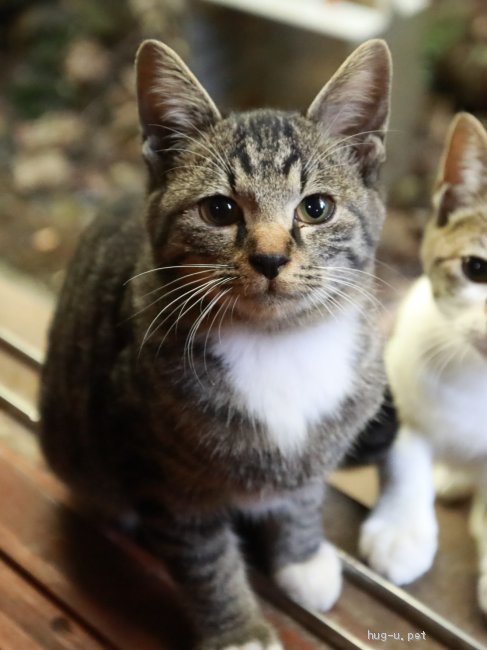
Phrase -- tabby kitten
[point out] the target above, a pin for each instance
(218, 355)
(437, 367)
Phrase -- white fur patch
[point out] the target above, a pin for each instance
(438, 379)
(399, 539)
(316, 583)
(291, 380)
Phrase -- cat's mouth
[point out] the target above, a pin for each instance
(270, 302)
(272, 290)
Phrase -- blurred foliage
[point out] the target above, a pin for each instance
(456, 52)
(39, 41)
(447, 28)
(69, 139)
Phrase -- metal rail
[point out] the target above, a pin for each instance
(19, 409)
(411, 608)
(319, 624)
(19, 350)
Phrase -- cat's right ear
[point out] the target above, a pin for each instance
(173, 105)
(354, 105)
(462, 175)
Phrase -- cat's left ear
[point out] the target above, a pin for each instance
(462, 175)
(354, 105)
(173, 105)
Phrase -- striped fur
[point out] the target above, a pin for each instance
(144, 399)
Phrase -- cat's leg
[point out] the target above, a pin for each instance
(203, 556)
(399, 538)
(452, 483)
(303, 563)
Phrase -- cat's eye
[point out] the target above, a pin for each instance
(220, 210)
(316, 208)
(475, 269)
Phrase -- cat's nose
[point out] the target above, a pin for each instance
(268, 264)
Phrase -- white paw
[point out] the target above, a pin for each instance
(452, 484)
(400, 551)
(315, 583)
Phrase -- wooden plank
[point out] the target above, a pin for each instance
(29, 621)
(77, 566)
(13, 637)
(114, 587)
(347, 624)
(357, 611)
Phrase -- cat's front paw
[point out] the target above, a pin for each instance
(401, 551)
(315, 583)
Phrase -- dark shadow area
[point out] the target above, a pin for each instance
(125, 588)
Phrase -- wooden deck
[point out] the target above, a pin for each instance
(68, 583)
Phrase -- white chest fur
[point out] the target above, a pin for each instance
(289, 381)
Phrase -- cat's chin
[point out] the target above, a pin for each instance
(274, 310)
(266, 305)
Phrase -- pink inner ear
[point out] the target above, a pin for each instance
(460, 141)
(465, 161)
(146, 81)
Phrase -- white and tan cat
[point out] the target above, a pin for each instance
(437, 366)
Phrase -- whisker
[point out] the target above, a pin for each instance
(209, 330)
(366, 294)
(357, 306)
(346, 269)
(233, 309)
(180, 266)
(221, 322)
(198, 301)
(203, 142)
(321, 156)
(436, 350)
(164, 286)
(188, 309)
(190, 340)
(348, 282)
(191, 292)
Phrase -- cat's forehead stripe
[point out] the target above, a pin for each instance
(265, 137)
(266, 144)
